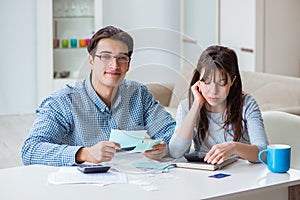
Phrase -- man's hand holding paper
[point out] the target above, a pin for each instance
(157, 152)
(153, 149)
(103, 151)
(126, 138)
(146, 145)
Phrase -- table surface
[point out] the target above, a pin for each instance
(31, 182)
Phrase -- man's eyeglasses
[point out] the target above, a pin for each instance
(106, 57)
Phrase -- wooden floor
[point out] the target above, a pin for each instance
(13, 131)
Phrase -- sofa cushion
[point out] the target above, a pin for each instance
(283, 128)
(273, 92)
(161, 92)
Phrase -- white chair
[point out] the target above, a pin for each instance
(284, 128)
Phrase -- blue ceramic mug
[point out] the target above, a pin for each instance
(278, 157)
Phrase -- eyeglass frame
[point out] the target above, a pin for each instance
(112, 56)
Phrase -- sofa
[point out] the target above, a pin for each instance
(272, 92)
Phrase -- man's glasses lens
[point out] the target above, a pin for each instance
(109, 58)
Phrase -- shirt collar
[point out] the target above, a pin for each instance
(93, 95)
(96, 99)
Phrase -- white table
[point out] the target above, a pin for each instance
(246, 181)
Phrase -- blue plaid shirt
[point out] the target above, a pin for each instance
(76, 117)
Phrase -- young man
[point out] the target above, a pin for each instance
(73, 124)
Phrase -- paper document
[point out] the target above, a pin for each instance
(145, 145)
(69, 175)
(154, 165)
(129, 162)
(127, 138)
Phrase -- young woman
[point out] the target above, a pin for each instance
(217, 116)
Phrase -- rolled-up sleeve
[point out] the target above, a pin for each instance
(178, 146)
(255, 125)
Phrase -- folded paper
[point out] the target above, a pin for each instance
(146, 145)
(126, 138)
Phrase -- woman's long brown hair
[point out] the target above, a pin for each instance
(225, 61)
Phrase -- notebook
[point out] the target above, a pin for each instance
(184, 163)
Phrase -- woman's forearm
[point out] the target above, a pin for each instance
(186, 129)
(246, 151)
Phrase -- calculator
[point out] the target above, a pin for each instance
(87, 168)
(195, 156)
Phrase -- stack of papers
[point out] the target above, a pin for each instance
(136, 163)
(71, 175)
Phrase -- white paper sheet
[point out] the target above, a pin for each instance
(136, 163)
(71, 175)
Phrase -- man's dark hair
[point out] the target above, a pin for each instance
(110, 32)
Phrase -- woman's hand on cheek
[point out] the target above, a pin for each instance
(196, 90)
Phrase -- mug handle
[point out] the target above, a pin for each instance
(260, 154)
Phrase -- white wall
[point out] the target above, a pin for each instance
(18, 57)
(270, 28)
(237, 30)
(155, 27)
(200, 25)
